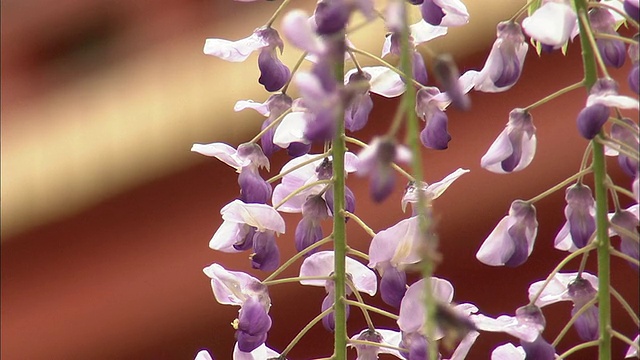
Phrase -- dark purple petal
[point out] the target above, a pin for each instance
(613, 52)
(308, 232)
(357, 114)
(435, 134)
(248, 342)
(633, 79)
(329, 321)
(525, 223)
(431, 12)
(266, 254)
(273, 73)
(582, 223)
(296, 149)
(393, 285)
(587, 324)
(419, 70)
(247, 242)
(266, 140)
(539, 349)
(349, 200)
(416, 2)
(591, 119)
(381, 184)
(626, 135)
(631, 8)
(511, 69)
(253, 325)
(531, 314)
(628, 245)
(416, 344)
(331, 16)
(253, 188)
(321, 127)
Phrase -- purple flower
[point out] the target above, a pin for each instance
(552, 24)
(603, 95)
(203, 355)
(301, 32)
(631, 8)
(511, 242)
(611, 51)
(506, 59)
(274, 74)
(632, 78)
(579, 290)
(627, 135)
(580, 214)
(380, 336)
(429, 107)
(309, 229)
(382, 80)
(412, 312)
(514, 149)
(262, 352)
(444, 12)
(376, 160)
(252, 326)
(430, 191)
(360, 104)
(625, 224)
(448, 75)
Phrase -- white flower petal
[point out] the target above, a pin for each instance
(552, 24)
(223, 152)
(438, 188)
(261, 108)
(508, 352)
(228, 234)
(398, 244)
(506, 324)
(291, 129)
(203, 355)
(230, 287)
(564, 240)
(422, 32)
(261, 216)
(619, 101)
(556, 290)
(411, 315)
(235, 51)
(498, 151)
(497, 248)
(321, 264)
(384, 81)
(633, 350)
(455, 12)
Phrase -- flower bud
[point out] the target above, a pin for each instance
(266, 254)
(587, 324)
(436, 135)
(629, 137)
(393, 286)
(253, 325)
(591, 119)
(628, 224)
(611, 51)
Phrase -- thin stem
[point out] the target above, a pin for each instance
(616, 37)
(295, 257)
(625, 305)
(277, 12)
(372, 309)
(298, 166)
(554, 95)
(521, 11)
(558, 268)
(365, 312)
(270, 126)
(293, 71)
(359, 221)
(357, 253)
(614, 195)
(578, 348)
(573, 319)
(585, 256)
(299, 190)
(393, 165)
(585, 158)
(588, 33)
(371, 343)
(305, 330)
(625, 232)
(624, 338)
(295, 279)
(355, 61)
(624, 256)
(560, 185)
(621, 147)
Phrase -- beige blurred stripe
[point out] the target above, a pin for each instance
(134, 122)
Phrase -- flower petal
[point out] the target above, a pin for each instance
(223, 152)
(398, 244)
(261, 216)
(262, 352)
(235, 51)
(228, 234)
(297, 28)
(262, 108)
(556, 290)
(411, 316)
(436, 189)
(508, 352)
(233, 287)
(321, 264)
(422, 32)
(384, 81)
(291, 129)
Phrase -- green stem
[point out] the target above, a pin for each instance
(573, 319)
(559, 186)
(554, 95)
(359, 221)
(302, 164)
(627, 18)
(624, 256)
(277, 12)
(616, 37)
(375, 344)
(589, 54)
(270, 126)
(624, 338)
(625, 305)
(297, 256)
(578, 348)
(357, 253)
(372, 309)
(304, 331)
(293, 71)
(365, 312)
(301, 189)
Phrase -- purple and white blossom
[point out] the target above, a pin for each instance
(444, 12)
(578, 290)
(511, 242)
(360, 104)
(262, 352)
(309, 229)
(628, 135)
(430, 191)
(603, 95)
(382, 80)
(274, 74)
(552, 24)
(430, 105)
(376, 160)
(514, 149)
(633, 350)
(580, 213)
(380, 336)
(612, 51)
(624, 223)
(504, 65)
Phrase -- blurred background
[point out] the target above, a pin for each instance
(107, 215)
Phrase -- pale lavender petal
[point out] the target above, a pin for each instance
(297, 28)
(422, 32)
(223, 152)
(291, 129)
(233, 287)
(508, 352)
(613, 100)
(235, 51)
(321, 264)
(463, 348)
(633, 350)
(388, 337)
(556, 290)
(564, 241)
(455, 12)
(384, 81)
(507, 324)
(261, 216)
(398, 244)
(436, 189)
(552, 24)
(262, 352)
(497, 248)
(411, 316)
(228, 234)
(261, 108)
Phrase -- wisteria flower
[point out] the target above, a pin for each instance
(382, 80)
(247, 161)
(376, 160)
(430, 191)
(580, 291)
(360, 104)
(625, 224)
(612, 51)
(514, 149)
(444, 12)
(627, 134)
(309, 229)
(262, 352)
(250, 225)
(511, 242)
(274, 74)
(603, 95)
(508, 352)
(420, 32)
(552, 24)
(504, 65)
(322, 264)
(430, 108)
(380, 336)
(303, 176)
(580, 213)
(412, 312)
(237, 288)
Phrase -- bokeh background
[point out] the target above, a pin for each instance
(106, 214)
